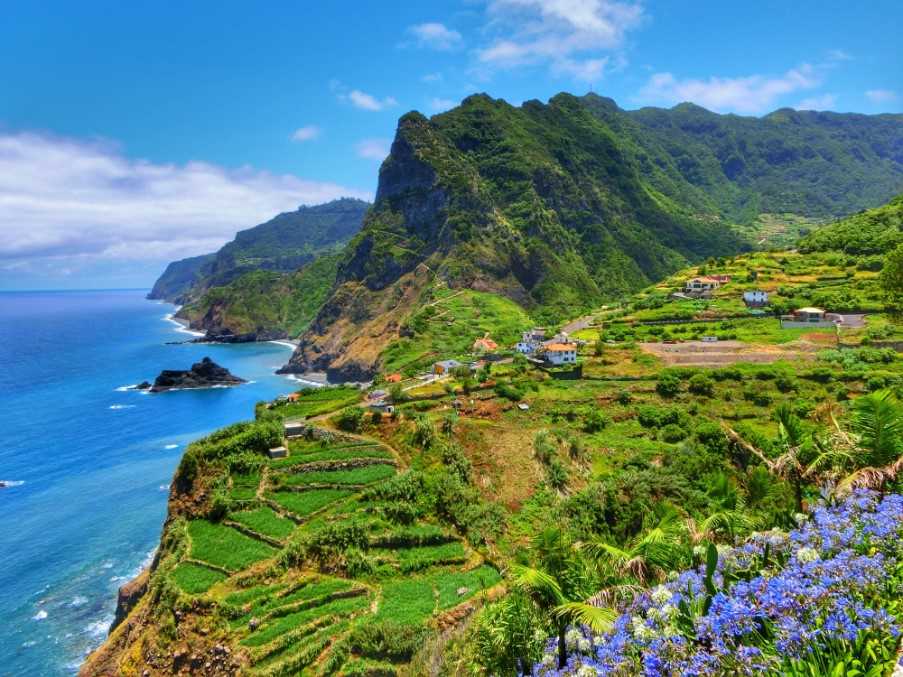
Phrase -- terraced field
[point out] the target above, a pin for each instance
(308, 563)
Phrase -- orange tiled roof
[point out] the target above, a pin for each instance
(560, 347)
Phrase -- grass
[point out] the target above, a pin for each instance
(408, 601)
(365, 475)
(333, 455)
(196, 579)
(225, 547)
(420, 557)
(447, 584)
(272, 629)
(304, 503)
(316, 401)
(242, 597)
(265, 521)
(244, 487)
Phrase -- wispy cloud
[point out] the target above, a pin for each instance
(431, 78)
(75, 201)
(366, 101)
(839, 55)
(434, 35)
(307, 133)
(821, 102)
(567, 35)
(438, 104)
(881, 95)
(748, 94)
(373, 149)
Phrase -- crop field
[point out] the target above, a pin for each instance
(225, 547)
(316, 401)
(264, 521)
(304, 503)
(244, 487)
(331, 455)
(195, 579)
(353, 476)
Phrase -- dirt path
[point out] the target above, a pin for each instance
(703, 354)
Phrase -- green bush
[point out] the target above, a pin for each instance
(672, 433)
(350, 419)
(387, 639)
(595, 421)
(668, 385)
(702, 384)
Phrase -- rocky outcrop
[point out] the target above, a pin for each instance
(129, 596)
(203, 374)
(226, 335)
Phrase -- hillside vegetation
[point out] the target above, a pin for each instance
(563, 206)
(871, 232)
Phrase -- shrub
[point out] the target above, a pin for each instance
(350, 419)
(387, 639)
(702, 384)
(785, 383)
(595, 421)
(509, 391)
(424, 432)
(712, 438)
(672, 433)
(668, 385)
(624, 397)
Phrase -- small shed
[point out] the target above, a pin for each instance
(292, 429)
(278, 452)
(755, 298)
(393, 378)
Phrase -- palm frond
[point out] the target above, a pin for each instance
(536, 581)
(600, 619)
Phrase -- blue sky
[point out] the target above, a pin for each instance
(134, 133)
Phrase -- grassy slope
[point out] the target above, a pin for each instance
(266, 300)
(874, 231)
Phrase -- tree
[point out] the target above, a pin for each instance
(668, 384)
(892, 279)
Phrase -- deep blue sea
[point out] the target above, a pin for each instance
(95, 461)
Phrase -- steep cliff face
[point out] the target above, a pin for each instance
(178, 278)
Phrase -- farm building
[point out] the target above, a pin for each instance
(755, 298)
(808, 317)
(393, 378)
(531, 341)
(294, 429)
(701, 286)
(278, 452)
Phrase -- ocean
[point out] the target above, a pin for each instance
(90, 462)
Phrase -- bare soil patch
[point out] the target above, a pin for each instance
(700, 354)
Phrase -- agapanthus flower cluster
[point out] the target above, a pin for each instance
(778, 597)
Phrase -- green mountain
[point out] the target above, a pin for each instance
(565, 205)
(284, 243)
(872, 231)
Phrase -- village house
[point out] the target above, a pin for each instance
(802, 318)
(755, 298)
(278, 452)
(445, 366)
(485, 345)
(393, 378)
(293, 429)
(531, 341)
(560, 353)
(702, 286)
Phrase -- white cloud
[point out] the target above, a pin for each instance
(366, 101)
(438, 104)
(430, 78)
(881, 95)
(749, 94)
(435, 36)
(306, 133)
(76, 201)
(821, 102)
(557, 33)
(374, 149)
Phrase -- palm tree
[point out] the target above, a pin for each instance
(878, 425)
(649, 554)
(730, 518)
(792, 441)
(559, 584)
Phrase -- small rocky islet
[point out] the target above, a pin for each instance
(203, 374)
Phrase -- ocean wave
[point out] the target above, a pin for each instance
(170, 446)
(307, 382)
(11, 483)
(284, 344)
(181, 328)
(40, 616)
(125, 389)
(78, 600)
(163, 487)
(99, 628)
(117, 407)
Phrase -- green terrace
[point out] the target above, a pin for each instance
(261, 563)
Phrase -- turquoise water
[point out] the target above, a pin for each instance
(95, 462)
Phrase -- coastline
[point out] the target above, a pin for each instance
(182, 325)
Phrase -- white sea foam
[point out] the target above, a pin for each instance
(307, 382)
(171, 446)
(125, 389)
(78, 600)
(284, 344)
(40, 616)
(12, 483)
(181, 328)
(99, 628)
(163, 487)
(107, 565)
(117, 407)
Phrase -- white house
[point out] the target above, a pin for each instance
(560, 353)
(531, 341)
(755, 298)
